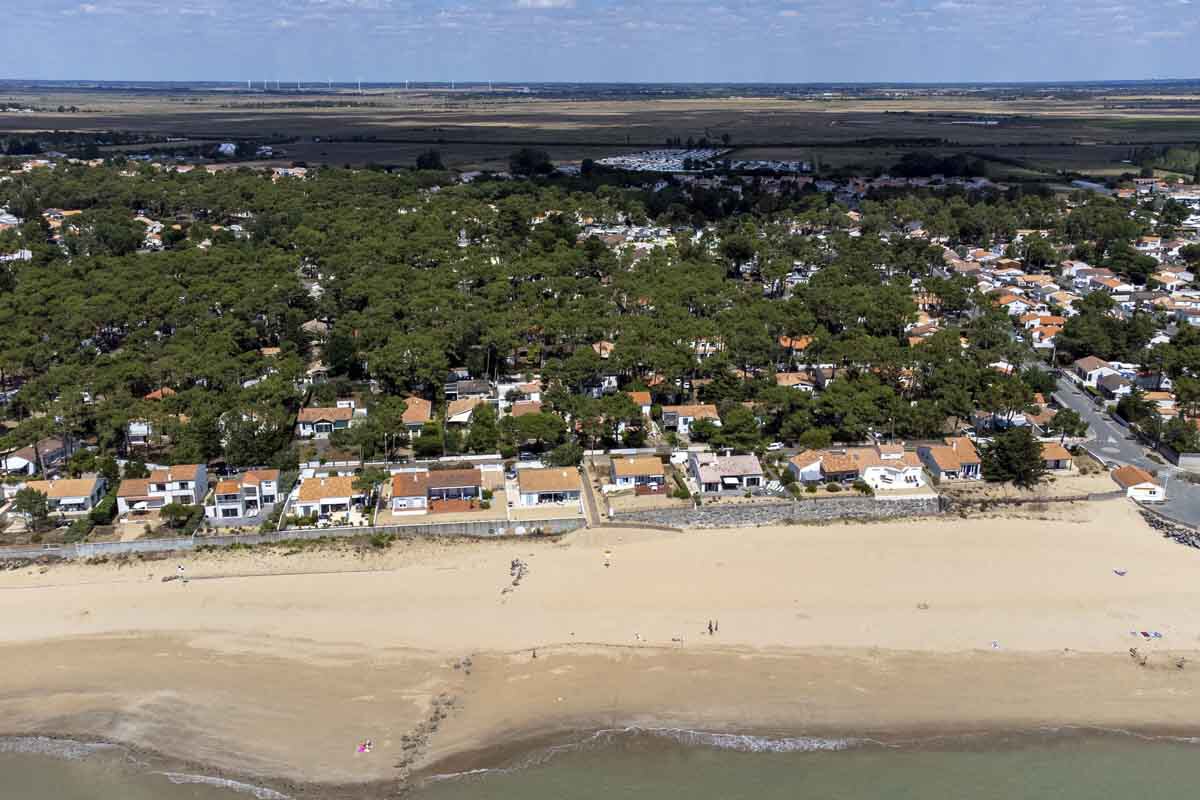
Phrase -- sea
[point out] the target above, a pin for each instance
(674, 765)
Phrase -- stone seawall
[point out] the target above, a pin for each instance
(750, 515)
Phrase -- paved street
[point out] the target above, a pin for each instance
(1115, 443)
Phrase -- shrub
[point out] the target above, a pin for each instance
(381, 541)
(105, 510)
(78, 530)
(832, 487)
(485, 504)
(488, 494)
(862, 487)
(811, 488)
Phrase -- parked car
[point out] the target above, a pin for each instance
(775, 446)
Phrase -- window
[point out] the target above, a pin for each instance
(268, 498)
(159, 487)
(229, 512)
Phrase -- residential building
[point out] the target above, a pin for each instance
(50, 452)
(635, 471)
(642, 400)
(71, 495)
(1091, 369)
(681, 418)
(955, 460)
(186, 484)
(458, 412)
(323, 497)
(716, 474)
(417, 412)
(410, 493)
(319, 423)
(1114, 386)
(468, 389)
(796, 380)
(1056, 458)
(454, 484)
(1139, 485)
(522, 408)
(882, 467)
(538, 487)
(248, 495)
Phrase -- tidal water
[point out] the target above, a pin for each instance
(669, 766)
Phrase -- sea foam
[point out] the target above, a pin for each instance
(261, 792)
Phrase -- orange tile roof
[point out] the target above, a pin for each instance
(534, 481)
(417, 410)
(325, 414)
(1053, 451)
(315, 489)
(459, 407)
(699, 411)
(637, 466)
(179, 472)
(134, 487)
(523, 408)
(1132, 476)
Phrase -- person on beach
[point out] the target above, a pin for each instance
(710, 628)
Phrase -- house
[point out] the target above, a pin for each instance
(806, 466)
(1114, 386)
(458, 412)
(50, 452)
(468, 389)
(538, 487)
(417, 411)
(637, 471)
(642, 400)
(246, 496)
(1056, 458)
(1139, 485)
(523, 407)
(717, 474)
(71, 495)
(796, 380)
(682, 418)
(319, 423)
(955, 460)
(161, 393)
(1091, 369)
(882, 467)
(454, 484)
(323, 497)
(410, 493)
(186, 484)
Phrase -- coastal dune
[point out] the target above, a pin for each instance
(276, 664)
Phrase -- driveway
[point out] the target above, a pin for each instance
(1115, 443)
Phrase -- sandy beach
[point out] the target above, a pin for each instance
(276, 663)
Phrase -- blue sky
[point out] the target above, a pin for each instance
(602, 40)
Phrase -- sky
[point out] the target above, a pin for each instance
(601, 40)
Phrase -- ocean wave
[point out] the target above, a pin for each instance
(261, 792)
(746, 743)
(47, 746)
(736, 742)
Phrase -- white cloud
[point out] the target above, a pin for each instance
(545, 3)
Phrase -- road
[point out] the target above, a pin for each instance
(1115, 443)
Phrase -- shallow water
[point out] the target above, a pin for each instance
(1033, 767)
(35, 769)
(674, 766)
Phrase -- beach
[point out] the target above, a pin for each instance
(276, 664)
